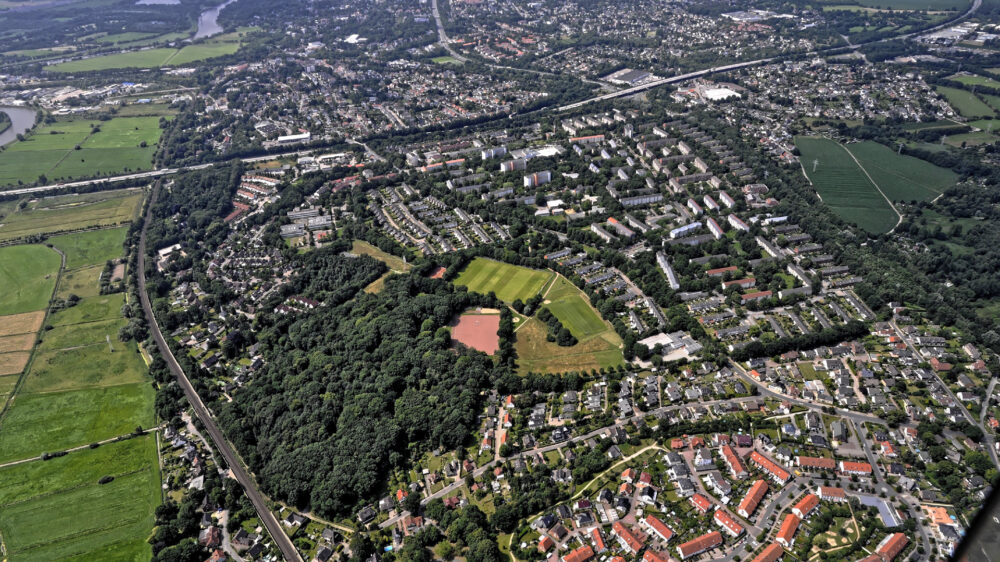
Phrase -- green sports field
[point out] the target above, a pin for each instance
(51, 150)
(90, 248)
(56, 510)
(70, 212)
(509, 282)
(843, 186)
(902, 178)
(965, 102)
(27, 277)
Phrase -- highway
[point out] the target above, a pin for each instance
(288, 551)
(443, 35)
(725, 68)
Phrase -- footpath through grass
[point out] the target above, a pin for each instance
(902, 178)
(843, 186)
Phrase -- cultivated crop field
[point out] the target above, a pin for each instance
(902, 178)
(966, 103)
(509, 282)
(70, 212)
(51, 150)
(843, 186)
(27, 277)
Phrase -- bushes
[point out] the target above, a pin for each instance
(557, 332)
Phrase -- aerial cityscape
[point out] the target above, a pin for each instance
(489, 281)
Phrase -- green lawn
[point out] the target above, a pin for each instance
(93, 365)
(936, 5)
(395, 263)
(82, 282)
(965, 102)
(71, 212)
(902, 178)
(573, 309)
(51, 150)
(90, 248)
(509, 282)
(213, 47)
(843, 186)
(55, 509)
(27, 277)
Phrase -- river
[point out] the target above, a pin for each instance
(208, 21)
(21, 119)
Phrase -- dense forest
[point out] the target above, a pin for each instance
(351, 391)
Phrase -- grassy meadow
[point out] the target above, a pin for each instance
(509, 282)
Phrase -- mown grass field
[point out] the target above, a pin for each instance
(90, 248)
(51, 149)
(933, 5)
(573, 309)
(974, 80)
(82, 282)
(28, 275)
(395, 263)
(56, 509)
(965, 102)
(843, 186)
(70, 212)
(93, 309)
(902, 178)
(509, 282)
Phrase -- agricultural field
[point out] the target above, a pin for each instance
(105, 147)
(902, 178)
(57, 510)
(81, 386)
(70, 212)
(509, 282)
(28, 275)
(843, 185)
(974, 80)
(933, 5)
(965, 103)
(217, 46)
(90, 248)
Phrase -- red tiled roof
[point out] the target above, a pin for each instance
(769, 466)
(752, 499)
(700, 544)
(772, 553)
(581, 554)
(659, 527)
(724, 519)
(816, 462)
(788, 528)
(806, 505)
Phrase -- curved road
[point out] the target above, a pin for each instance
(288, 551)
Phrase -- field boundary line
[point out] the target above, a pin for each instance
(865, 172)
(48, 310)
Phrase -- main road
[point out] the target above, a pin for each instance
(242, 476)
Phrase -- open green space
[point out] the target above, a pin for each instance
(82, 282)
(843, 185)
(932, 5)
(974, 80)
(90, 248)
(38, 423)
(965, 102)
(67, 149)
(445, 60)
(395, 263)
(55, 510)
(509, 282)
(536, 354)
(70, 212)
(573, 309)
(213, 47)
(28, 275)
(93, 309)
(902, 178)
(942, 124)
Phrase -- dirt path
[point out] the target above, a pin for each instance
(887, 200)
